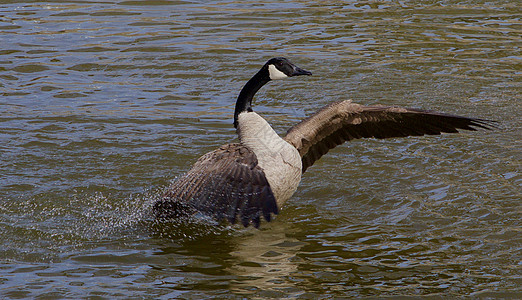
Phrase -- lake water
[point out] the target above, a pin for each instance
(103, 103)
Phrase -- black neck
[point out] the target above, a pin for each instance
(244, 100)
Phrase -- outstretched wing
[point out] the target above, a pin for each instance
(344, 121)
(226, 184)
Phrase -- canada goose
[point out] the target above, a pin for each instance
(257, 175)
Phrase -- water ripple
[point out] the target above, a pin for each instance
(104, 103)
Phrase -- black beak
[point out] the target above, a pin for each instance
(298, 71)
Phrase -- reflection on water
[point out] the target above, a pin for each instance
(102, 104)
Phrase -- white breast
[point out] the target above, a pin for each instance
(280, 161)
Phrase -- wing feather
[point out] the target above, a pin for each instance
(344, 121)
(226, 184)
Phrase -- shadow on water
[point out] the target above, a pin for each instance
(228, 257)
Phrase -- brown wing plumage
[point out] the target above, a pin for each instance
(226, 184)
(343, 121)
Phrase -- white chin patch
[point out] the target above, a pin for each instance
(275, 73)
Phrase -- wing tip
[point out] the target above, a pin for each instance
(485, 124)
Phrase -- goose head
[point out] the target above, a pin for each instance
(280, 68)
(275, 68)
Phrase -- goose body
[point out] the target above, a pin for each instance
(255, 177)
(279, 160)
